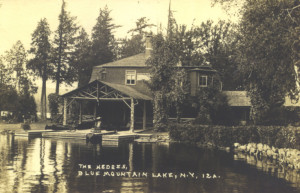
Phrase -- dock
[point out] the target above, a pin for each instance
(120, 137)
(77, 134)
(32, 133)
(65, 134)
(108, 138)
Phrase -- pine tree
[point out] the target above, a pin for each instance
(103, 38)
(64, 41)
(40, 63)
(81, 58)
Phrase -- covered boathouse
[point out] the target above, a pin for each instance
(110, 102)
(117, 92)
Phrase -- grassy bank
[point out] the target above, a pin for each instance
(224, 136)
(17, 126)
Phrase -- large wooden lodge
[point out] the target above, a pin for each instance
(120, 96)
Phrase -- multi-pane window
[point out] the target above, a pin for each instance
(202, 81)
(130, 77)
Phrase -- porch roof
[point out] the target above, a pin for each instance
(100, 90)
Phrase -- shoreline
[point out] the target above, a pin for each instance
(40, 125)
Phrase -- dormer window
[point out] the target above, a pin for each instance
(103, 75)
(202, 81)
(130, 77)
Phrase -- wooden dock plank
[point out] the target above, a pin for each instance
(119, 137)
(65, 135)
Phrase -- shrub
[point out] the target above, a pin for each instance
(277, 136)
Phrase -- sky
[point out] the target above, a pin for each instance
(19, 18)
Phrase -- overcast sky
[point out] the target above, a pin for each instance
(19, 18)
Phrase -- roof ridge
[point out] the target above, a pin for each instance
(138, 57)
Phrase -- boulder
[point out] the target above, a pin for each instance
(281, 153)
(252, 151)
(266, 147)
(243, 148)
(236, 145)
(269, 153)
(260, 147)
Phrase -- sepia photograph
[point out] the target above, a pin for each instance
(149, 96)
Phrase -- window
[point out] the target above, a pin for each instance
(103, 74)
(130, 77)
(202, 81)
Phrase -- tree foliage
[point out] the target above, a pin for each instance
(136, 43)
(5, 73)
(168, 82)
(81, 58)
(40, 63)
(103, 38)
(16, 87)
(16, 59)
(54, 101)
(8, 98)
(211, 105)
(64, 41)
(216, 44)
(162, 62)
(267, 54)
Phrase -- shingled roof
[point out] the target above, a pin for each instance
(138, 60)
(126, 90)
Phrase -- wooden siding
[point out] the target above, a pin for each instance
(117, 76)
(193, 75)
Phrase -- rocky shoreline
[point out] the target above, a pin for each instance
(283, 156)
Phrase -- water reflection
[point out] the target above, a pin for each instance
(271, 167)
(49, 165)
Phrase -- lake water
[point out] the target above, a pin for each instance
(54, 165)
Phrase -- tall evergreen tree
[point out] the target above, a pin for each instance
(16, 58)
(40, 63)
(64, 41)
(103, 38)
(81, 58)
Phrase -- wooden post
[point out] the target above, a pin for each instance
(131, 115)
(80, 112)
(130, 157)
(124, 113)
(95, 111)
(65, 111)
(144, 116)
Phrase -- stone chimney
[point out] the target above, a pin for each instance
(148, 46)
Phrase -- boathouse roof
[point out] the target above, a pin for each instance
(100, 90)
(138, 60)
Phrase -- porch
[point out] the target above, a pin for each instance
(118, 105)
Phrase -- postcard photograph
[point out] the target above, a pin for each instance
(149, 96)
